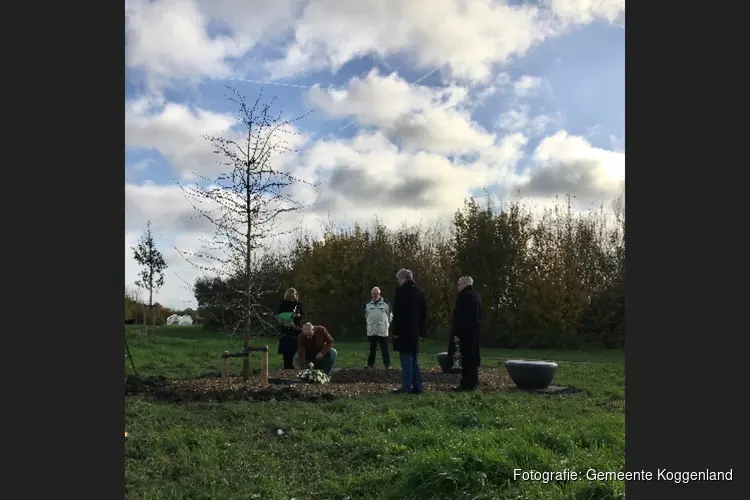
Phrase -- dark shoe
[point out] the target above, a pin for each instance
(417, 391)
(368, 367)
(387, 367)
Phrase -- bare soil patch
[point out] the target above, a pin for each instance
(284, 385)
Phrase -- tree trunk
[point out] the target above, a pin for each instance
(249, 297)
(145, 321)
(150, 310)
(246, 360)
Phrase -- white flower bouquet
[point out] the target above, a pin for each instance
(313, 376)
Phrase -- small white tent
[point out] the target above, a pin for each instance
(185, 320)
(173, 320)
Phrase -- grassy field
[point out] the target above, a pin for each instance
(432, 446)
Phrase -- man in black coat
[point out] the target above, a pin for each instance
(409, 319)
(465, 328)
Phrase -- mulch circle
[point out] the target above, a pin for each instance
(284, 385)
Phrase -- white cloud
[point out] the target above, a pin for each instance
(170, 39)
(417, 117)
(166, 206)
(468, 37)
(369, 175)
(586, 11)
(519, 119)
(600, 132)
(369, 172)
(176, 131)
(528, 86)
(565, 164)
(177, 39)
(141, 165)
(498, 86)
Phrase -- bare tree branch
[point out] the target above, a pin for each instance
(244, 204)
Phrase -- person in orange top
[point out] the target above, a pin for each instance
(315, 345)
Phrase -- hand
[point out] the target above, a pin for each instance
(319, 356)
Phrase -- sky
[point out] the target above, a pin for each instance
(414, 106)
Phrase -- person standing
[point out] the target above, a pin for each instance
(467, 318)
(378, 318)
(409, 320)
(290, 315)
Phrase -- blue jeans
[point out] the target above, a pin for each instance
(410, 376)
(325, 364)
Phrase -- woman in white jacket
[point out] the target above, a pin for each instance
(378, 317)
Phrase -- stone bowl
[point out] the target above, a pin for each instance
(531, 375)
(446, 363)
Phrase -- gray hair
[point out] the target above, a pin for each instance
(466, 280)
(375, 289)
(405, 274)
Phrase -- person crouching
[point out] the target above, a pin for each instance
(315, 345)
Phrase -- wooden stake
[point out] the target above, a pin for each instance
(264, 367)
(225, 368)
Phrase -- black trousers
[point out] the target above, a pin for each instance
(469, 375)
(288, 361)
(376, 340)
(287, 349)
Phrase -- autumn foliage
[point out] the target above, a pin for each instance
(550, 281)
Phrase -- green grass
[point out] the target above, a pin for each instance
(433, 446)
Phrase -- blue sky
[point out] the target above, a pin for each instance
(521, 96)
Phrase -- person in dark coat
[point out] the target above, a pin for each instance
(409, 319)
(290, 315)
(467, 318)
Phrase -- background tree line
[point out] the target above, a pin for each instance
(555, 281)
(136, 310)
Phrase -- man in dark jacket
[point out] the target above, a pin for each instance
(409, 318)
(465, 329)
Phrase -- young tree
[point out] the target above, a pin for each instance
(151, 260)
(245, 203)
